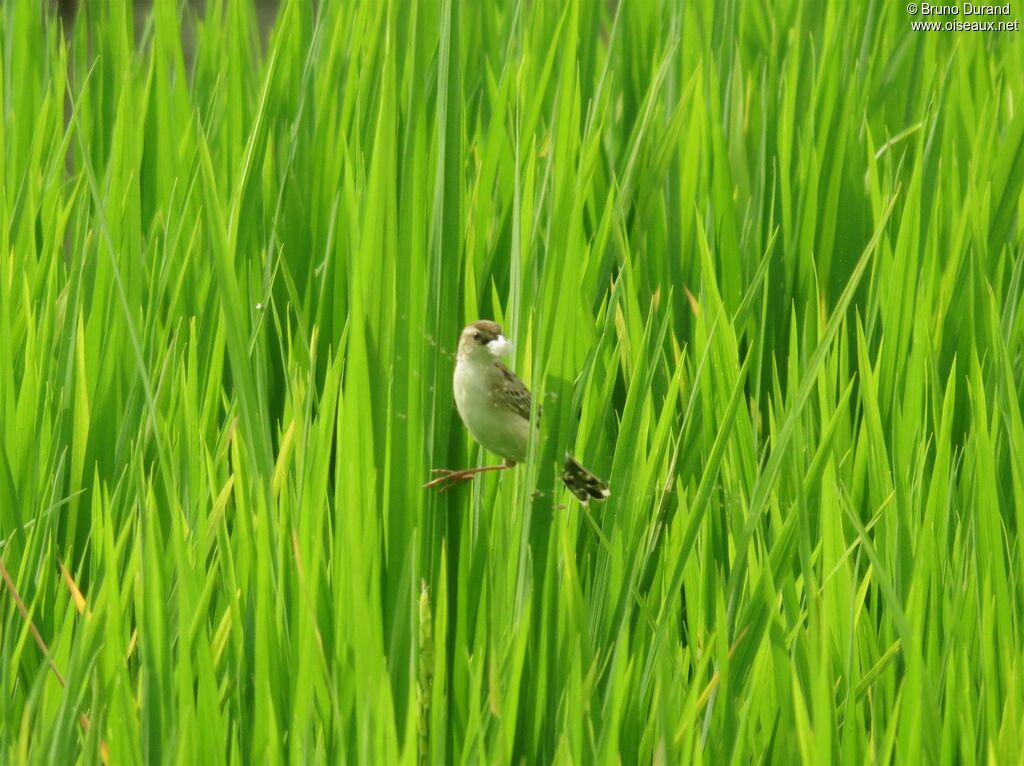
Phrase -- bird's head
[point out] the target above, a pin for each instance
(483, 341)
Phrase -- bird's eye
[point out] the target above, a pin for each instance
(478, 337)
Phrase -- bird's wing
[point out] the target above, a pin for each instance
(513, 392)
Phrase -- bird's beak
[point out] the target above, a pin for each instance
(500, 346)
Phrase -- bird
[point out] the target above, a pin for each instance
(495, 407)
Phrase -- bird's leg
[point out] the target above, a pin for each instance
(449, 478)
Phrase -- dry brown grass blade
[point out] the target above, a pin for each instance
(83, 719)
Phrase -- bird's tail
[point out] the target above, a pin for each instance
(582, 482)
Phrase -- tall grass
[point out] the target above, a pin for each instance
(763, 265)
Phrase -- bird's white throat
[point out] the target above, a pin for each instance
(500, 347)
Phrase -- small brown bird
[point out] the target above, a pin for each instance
(495, 406)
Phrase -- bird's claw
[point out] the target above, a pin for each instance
(448, 478)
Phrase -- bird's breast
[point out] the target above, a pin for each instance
(490, 421)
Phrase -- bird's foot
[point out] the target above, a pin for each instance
(446, 478)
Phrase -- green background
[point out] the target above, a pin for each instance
(762, 263)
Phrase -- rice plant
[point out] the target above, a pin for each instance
(762, 263)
